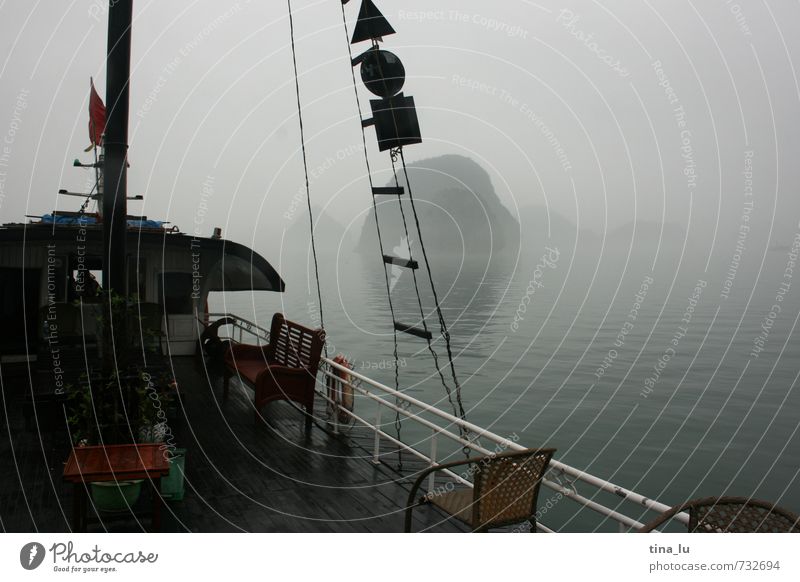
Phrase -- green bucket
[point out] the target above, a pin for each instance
(172, 486)
(116, 495)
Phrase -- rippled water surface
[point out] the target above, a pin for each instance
(683, 407)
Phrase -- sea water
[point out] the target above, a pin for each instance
(664, 377)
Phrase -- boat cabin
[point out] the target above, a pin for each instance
(51, 273)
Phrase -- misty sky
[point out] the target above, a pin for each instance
(603, 111)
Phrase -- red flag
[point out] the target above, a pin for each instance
(97, 117)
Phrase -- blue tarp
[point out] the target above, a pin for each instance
(145, 223)
(87, 220)
(79, 220)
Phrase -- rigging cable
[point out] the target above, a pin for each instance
(460, 410)
(82, 209)
(378, 228)
(442, 324)
(305, 170)
(458, 407)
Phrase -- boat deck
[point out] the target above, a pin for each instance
(240, 476)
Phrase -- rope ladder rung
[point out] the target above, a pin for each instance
(388, 191)
(407, 263)
(413, 330)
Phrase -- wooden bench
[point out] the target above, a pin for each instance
(285, 369)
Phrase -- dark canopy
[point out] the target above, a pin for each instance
(228, 266)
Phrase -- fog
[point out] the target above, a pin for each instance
(602, 113)
(608, 192)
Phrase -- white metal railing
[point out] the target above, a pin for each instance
(241, 325)
(560, 477)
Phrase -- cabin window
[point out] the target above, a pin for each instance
(175, 293)
(86, 284)
(86, 277)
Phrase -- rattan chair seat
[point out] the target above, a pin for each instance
(506, 487)
(731, 515)
(457, 503)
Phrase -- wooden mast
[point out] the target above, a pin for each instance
(115, 142)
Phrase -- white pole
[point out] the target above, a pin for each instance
(376, 454)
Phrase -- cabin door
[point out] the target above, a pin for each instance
(19, 310)
(175, 294)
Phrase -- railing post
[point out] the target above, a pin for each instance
(376, 454)
(432, 478)
(564, 477)
(334, 395)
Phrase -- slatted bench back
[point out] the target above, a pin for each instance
(294, 345)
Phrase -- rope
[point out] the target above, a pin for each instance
(394, 155)
(82, 209)
(378, 228)
(305, 170)
(442, 323)
(458, 407)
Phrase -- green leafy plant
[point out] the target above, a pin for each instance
(131, 403)
(123, 408)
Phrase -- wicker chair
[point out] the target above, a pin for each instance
(730, 514)
(505, 491)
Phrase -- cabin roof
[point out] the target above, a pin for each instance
(228, 266)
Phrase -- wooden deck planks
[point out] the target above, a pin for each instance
(240, 476)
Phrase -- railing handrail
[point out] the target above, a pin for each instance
(478, 431)
(488, 435)
(569, 493)
(238, 321)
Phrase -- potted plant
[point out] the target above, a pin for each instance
(120, 409)
(130, 404)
